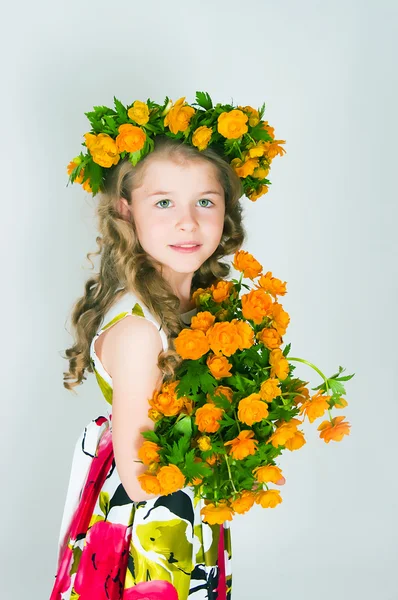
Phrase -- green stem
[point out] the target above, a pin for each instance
(314, 367)
(228, 467)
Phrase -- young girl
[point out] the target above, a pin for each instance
(165, 224)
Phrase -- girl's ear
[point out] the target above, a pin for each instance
(123, 207)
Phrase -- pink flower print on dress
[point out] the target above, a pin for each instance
(151, 590)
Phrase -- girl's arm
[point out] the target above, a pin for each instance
(130, 350)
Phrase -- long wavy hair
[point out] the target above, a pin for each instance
(125, 264)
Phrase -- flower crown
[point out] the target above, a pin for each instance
(236, 132)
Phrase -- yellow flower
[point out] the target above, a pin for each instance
(179, 116)
(219, 366)
(268, 128)
(269, 337)
(204, 443)
(103, 149)
(165, 400)
(220, 389)
(154, 414)
(149, 452)
(279, 364)
(208, 417)
(139, 112)
(252, 410)
(341, 403)
(243, 503)
(270, 389)
(296, 441)
(216, 515)
(254, 195)
(232, 124)
(269, 498)
(201, 137)
(247, 264)
(283, 433)
(223, 338)
(256, 305)
(335, 429)
(130, 138)
(171, 479)
(268, 473)
(242, 445)
(191, 343)
(260, 172)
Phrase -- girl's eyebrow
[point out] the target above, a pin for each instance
(202, 194)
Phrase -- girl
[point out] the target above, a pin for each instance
(164, 226)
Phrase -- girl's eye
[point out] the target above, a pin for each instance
(204, 206)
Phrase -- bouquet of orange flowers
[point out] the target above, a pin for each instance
(234, 404)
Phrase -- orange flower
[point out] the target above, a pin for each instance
(302, 393)
(246, 263)
(269, 337)
(201, 137)
(252, 410)
(275, 149)
(191, 343)
(211, 460)
(179, 116)
(232, 124)
(166, 402)
(268, 473)
(254, 118)
(200, 293)
(245, 334)
(269, 498)
(296, 441)
(171, 479)
(219, 366)
(315, 407)
(281, 318)
(244, 168)
(103, 149)
(256, 305)
(216, 515)
(268, 128)
(334, 430)
(270, 389)
(222, 290)
(87, 186)
(242, 445)
(139, 112)
(149, 452)
(223, 338)
(272, 285)
(254, 195)
(220, 390)
(202, 321)
(207, 418)
(279, 364)
(243, 503)
(149, 484)
(283, 433)
(130, 138)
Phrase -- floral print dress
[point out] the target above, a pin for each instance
(112, 547)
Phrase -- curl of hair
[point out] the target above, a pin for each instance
(124, 263)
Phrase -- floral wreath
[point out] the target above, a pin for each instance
(236, 132)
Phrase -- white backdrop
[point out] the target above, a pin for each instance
(327, 72)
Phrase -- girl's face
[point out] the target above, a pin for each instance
(179, 204)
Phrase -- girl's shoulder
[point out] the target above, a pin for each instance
(129, 303)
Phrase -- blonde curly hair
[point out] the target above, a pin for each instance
(124, 263)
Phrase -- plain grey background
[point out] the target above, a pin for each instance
(327, 72)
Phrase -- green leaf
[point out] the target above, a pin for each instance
(184, 426)
(194, 469)
(286, 350)
(121, 110)
(134, 157)
(104, 502)
(77, 552)
(151, 436)
(204, 100)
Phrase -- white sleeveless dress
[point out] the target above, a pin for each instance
(111, 547)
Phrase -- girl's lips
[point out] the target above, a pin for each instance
(186, 250)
